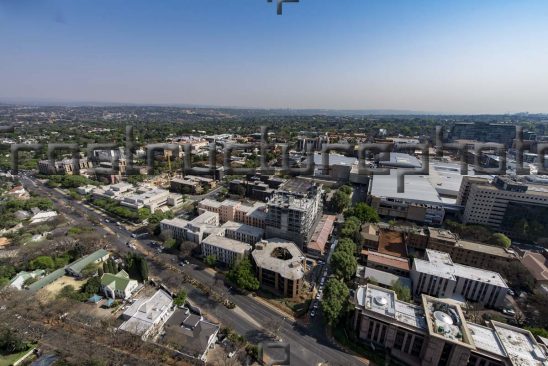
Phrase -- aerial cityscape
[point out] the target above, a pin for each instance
(274, 183)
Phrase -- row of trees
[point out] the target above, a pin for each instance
(343, 261)
(113, 207)
(479, 233)
(69, 181)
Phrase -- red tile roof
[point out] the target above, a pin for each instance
(321, 233)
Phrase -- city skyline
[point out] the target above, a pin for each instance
(461, 58)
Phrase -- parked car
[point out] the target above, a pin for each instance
(508, 311)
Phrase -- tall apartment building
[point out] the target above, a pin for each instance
(436, 333)
(506, 205)
(293, 211)
(438, 276)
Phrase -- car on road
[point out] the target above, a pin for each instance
(312, 314)
(511, 292)
(508, 311)
(118, 223)
(107, 221)
(182, 264)
(316, 304)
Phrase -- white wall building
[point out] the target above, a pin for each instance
(225, 249)
(147, 314)
(439, 276)
(194, 230)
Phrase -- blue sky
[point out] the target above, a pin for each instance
(452, 56)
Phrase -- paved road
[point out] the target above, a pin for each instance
(309, 346)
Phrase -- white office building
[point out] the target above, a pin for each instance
(438, 276)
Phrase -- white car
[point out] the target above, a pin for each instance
(509, 312)
(312, 314)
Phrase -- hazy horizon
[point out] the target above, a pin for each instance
(430, 57)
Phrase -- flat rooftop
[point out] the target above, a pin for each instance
(220, 241)
(298, 186)
(265, 257)
(440, 264)
(383, 301)
(391, 243)
(243, 228)
(520, 345)
(486, 248)
(382, 277)
(416, 188)
(486, 339)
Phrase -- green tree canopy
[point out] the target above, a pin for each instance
(210, 260)
(334, 299)
(403, 292)
(346, 189)
(350, 227)
(243, 277)
(363, 212)
(42, 262)
(344, 265)
(340, 201)
(346, 245)
(92, 286)
(180, 299)
(501, 240)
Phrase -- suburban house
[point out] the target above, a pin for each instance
(190, 334)
(74, 269)
(20, 278)
(147, 314)
(118, 285)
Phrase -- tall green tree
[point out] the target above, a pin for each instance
(243, 276)
(350, 227)
(363, 212)
(346, 245)
(180, 299)
(334, 300)
(340, 201)
(344, 265)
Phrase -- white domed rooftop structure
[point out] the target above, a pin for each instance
(443, 317)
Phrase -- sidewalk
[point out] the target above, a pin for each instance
(272, 307)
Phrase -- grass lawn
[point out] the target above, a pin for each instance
(8, 360)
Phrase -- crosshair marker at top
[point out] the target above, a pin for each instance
(280, 2)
